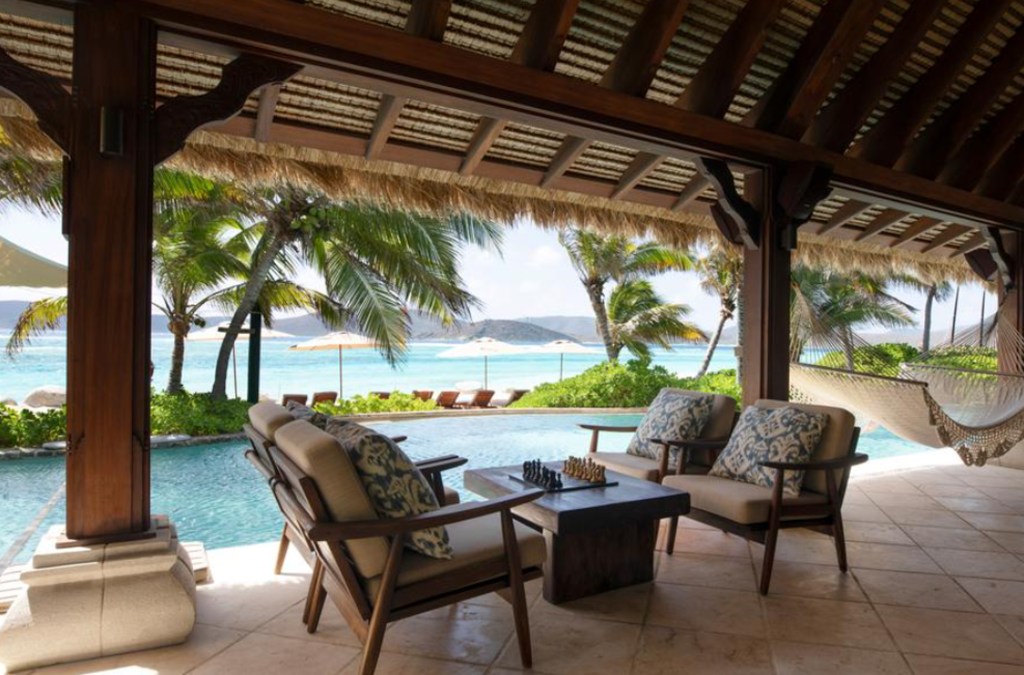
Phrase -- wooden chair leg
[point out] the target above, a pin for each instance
(282, 550)
(315, 581)
(316, 610)
(381, 608)
(838, 535)
(769, 558)
(673, 527)
(516, 590)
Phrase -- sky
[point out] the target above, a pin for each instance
(531, 276)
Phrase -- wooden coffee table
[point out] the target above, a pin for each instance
(597, 539)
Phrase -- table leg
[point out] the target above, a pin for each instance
(586, 563)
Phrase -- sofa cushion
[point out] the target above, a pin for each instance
(267, 417)
(786, 434)
(321, 457)
(674, 415)
(300, 411)
(739, 502)
(395, 486)
(472, 541)
(637, 467)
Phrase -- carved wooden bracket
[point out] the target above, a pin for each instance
(800, 188)
(737, 219)
(1000, 258)
(182, 115)
(43, 94)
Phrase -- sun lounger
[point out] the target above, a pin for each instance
(325, 397)
(298, 398)
(423, 394)
(447, 399)
(479, 399)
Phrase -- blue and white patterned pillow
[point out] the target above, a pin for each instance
(395, 486)
(674, 415)
(785, 434)
(301, 411)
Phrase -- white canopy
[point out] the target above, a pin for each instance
(566, 347)
(484, 347)
(19, 267)
(340, 340)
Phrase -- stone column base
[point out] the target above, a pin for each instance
(88, 601)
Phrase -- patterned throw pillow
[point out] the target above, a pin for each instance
(303, 412)
(770, 434)
(395, 486)
(674, 415)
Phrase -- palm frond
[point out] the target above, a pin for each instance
(39, 317)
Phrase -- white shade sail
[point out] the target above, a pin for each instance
(566, 347)
(484, 346)
(338, 340)
(19, 267)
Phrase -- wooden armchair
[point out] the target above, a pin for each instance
(758, 513)
(364, 566)
(697, 455)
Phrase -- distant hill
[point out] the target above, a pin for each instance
(511, 331)
(580, 328)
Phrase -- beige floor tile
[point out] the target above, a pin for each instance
(830, 622)
(911, 589)
(1011, 541)
(876, 533)
(332, 628)
(706, 609)
(996, 596)
(532, 589)
(994, 521)
(258, 653)
(204, 643)
(1013, 623)
(577, 646)
(908, 515)
(943, 491)
(975, 505)
(710, 542)
(705, 570)
(807, 580)
(405, 664)
(462, 632)
(670, 651)
(799, 658)
(856, 496)
(1001, 492)
(868, 513)
(887, 484)
(817, 549)
(984, 564)
(967, 539)
(889, 557)
(935, 665)
(959, 635)
(885, 500)
(628, 605)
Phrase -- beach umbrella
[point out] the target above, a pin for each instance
(484, 347)
(216, 334)
(341, 341)
(563, 347)
(19, 267)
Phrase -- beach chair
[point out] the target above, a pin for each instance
(758, 513)
(516, 395)
(447, 399)
(697, 455)
(364, 566)
(382, 395)
(478, 399)
(324, 397)
(423, 394)
(297, 398)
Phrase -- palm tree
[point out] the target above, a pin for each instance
(720, 274)
(376, 263)
(600, 260)
(638, 317)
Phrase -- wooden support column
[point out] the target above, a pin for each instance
(110, 214)
(766, 279)
(1011, 300)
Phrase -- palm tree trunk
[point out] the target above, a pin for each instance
(848, 348)
(595, 291)
(177, 364)
(253, 288)
(926, 339)
(713, 344)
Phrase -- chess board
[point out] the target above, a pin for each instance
(568, 484)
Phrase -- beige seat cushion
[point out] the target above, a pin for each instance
(637, 467)
(450, 496)
(739, 502)
(321, 457)
(473, 541)
(267, 417)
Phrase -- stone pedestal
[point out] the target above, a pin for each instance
(82, 602)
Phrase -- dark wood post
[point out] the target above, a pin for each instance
(766, 291)
(1011, 301)
(255, 332)
(110, 211)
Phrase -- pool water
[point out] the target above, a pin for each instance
(214, 495)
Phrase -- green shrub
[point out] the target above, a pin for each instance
(968, 358)
(880, 359)
(621, 385)
(396, 402)
(30, 429)
(196, 414)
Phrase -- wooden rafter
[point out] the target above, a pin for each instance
(838, 122)
(697, 185)
(182, 115)
(914, 230)
(951, 232)
(265, 112)
(1000, 180)
(844, 214)
(882, 222)
(972, 244)
(426, 19)
(967, 167)
(42, 93)
(642, 164)
(790, 104)
(884, 143)
(538, 47)
(944, 135)
(633, 68)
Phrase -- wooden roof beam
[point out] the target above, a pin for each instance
(967, 167)
(914, 230)
(944, 136)
(538, 47)
(790, 104)
(951, 232)
(265, 112)
(885, 142)
(697, 185)
(1000, 180)
(844, 214)
(387, 115)
(882, 222)
(633, 68)
(641, 165)
(973, 244)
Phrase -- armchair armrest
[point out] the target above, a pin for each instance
(360, 529)
(696, 444)
(399, 439)
(442, 463)
(605, 427)
(838, 463)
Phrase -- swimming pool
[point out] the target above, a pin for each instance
(214, 495)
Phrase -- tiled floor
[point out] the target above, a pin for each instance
(936, 586)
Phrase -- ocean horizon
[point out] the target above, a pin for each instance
(44, 362)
